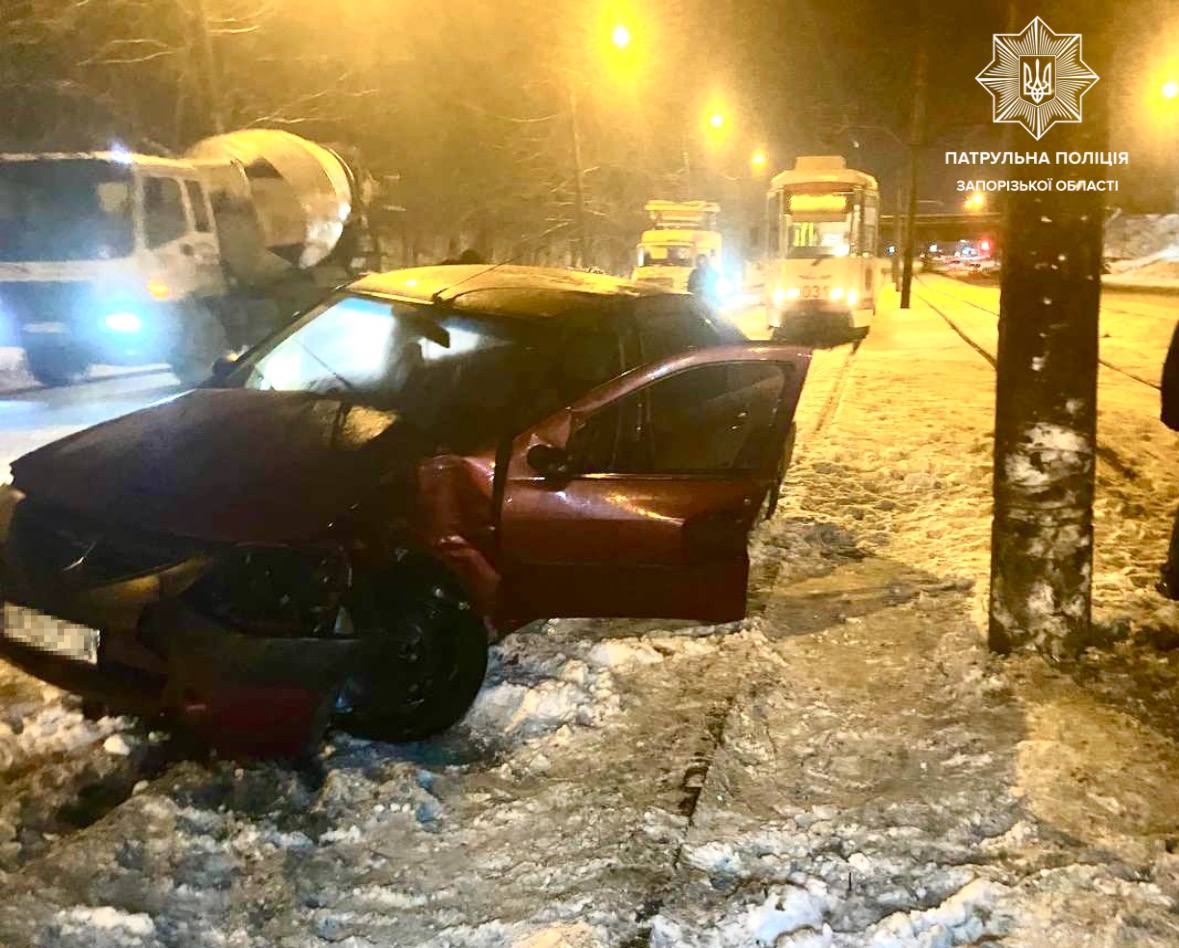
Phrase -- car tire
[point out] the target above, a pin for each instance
(54, 366)
(200, 340)
(422, 657)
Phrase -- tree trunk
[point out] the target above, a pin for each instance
(208, 66)
(582, 250)
(1046, 397)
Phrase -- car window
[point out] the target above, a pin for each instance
(163, 211)
(712, 419)
(468, 379)
(587, 358)
(671, 324)
(196, 200)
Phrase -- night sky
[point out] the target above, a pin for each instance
(469, 104)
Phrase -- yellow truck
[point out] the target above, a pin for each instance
(680, 232)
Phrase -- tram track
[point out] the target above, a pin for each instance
(993, 312)
(1110, 455)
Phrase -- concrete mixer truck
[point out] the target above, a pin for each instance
(120, 258)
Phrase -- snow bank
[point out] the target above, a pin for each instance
(14, 373)
(1130, 237)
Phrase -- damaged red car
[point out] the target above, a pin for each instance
(337, 524)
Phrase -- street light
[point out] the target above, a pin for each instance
(716, 120)
(976, 202)
(758, 160)
(1170, 89)
(620, 37)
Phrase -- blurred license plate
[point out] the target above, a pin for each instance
(51, 634)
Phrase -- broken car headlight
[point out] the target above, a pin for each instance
(276, 591)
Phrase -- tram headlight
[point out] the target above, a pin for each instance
(852, 297)
(785, 294)
(837, 293)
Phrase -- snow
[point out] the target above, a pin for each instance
(116, 744)
(848, 766)
(14, 374)
(1143, 250)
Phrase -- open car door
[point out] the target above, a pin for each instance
(638, 499)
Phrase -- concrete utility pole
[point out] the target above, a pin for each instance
(1046, 399)
(916, 136)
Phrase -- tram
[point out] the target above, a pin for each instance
(823, 273)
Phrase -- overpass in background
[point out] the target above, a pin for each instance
(946, 228)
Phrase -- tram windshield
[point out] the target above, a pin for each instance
(819, 224)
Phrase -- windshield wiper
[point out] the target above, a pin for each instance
(349, 385)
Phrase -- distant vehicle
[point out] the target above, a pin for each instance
(132, 259)
(822, 269)
(335, 525)
(682, 231)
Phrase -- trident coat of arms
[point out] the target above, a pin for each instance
(1037, 78)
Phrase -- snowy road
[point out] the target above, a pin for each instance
(846, 767)
(35, 416)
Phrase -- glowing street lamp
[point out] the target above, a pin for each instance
(620, 36)
(1170, 89)
(758, 160)
(976, 202)
(716, 120)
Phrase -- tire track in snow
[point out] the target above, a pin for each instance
(835, 394)
(692, 784)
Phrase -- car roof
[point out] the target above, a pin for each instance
(510, 290)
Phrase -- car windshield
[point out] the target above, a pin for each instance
(466, 378)
(668, 255)
(68, 209)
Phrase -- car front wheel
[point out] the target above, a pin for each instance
(200, 341)
(422, 655)
(55, 365)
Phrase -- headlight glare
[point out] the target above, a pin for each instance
(125, 322)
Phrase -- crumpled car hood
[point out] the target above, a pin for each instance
(230, 465)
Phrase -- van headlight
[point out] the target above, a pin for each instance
(123, 321)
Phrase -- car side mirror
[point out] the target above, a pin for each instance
(550, 461)
(222, 367)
